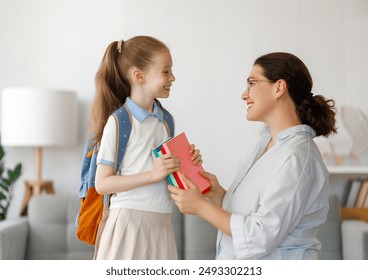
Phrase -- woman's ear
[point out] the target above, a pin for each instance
(280, 88)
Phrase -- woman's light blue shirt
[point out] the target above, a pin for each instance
(278, 200)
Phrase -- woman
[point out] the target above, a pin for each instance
(275, 206)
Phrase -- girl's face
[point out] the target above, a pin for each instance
(158, 77)
(259, 96)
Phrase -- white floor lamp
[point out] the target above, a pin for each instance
(38, 118)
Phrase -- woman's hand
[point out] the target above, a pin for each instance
(189, 201)
(196, 155)
(216, 193)
(163, 166)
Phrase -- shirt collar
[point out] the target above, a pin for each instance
(141, 114)
(298, 129)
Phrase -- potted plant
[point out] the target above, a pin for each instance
(7, 179)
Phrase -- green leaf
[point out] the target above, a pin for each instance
(2, 152)
(4, 187)
(2, 196)
(14, 174)
(6, 182)
(18, 168)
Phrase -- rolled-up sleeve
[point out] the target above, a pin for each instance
(239, 236)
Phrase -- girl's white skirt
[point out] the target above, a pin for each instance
(137, 235)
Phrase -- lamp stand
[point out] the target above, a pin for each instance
(36, 187)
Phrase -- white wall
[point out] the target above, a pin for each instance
(59, 44)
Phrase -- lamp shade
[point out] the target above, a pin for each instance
(38, 117)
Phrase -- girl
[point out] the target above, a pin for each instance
(275, 206)
(135, 73)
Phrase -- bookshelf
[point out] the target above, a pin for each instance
(340, 176)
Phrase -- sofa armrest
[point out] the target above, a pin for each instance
(354, 240)
(13, 239)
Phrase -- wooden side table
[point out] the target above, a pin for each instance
(35, 188)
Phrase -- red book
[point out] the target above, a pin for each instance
(179, 146)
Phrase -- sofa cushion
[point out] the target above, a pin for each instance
(51, 229)
(355, 240)
(13, 238)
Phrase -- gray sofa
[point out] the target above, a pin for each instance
(49, 233)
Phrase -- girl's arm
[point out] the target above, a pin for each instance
(107, 182)
(191, 201)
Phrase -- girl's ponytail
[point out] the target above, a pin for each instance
(112, 89)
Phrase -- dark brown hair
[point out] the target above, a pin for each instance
(112, 82)
(313, 110)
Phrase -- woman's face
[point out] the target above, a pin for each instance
(259, 96)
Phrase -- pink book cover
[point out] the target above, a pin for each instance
(180, 147)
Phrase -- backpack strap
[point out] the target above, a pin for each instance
(88, 169)
(169, 123)
(123, 118)
(87, 154)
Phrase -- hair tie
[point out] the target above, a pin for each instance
(120, 43)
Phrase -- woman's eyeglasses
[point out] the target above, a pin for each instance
(251, 82)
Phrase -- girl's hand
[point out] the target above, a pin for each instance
(216, 193)
(189, 201)
(163, 166)
(196, 156)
